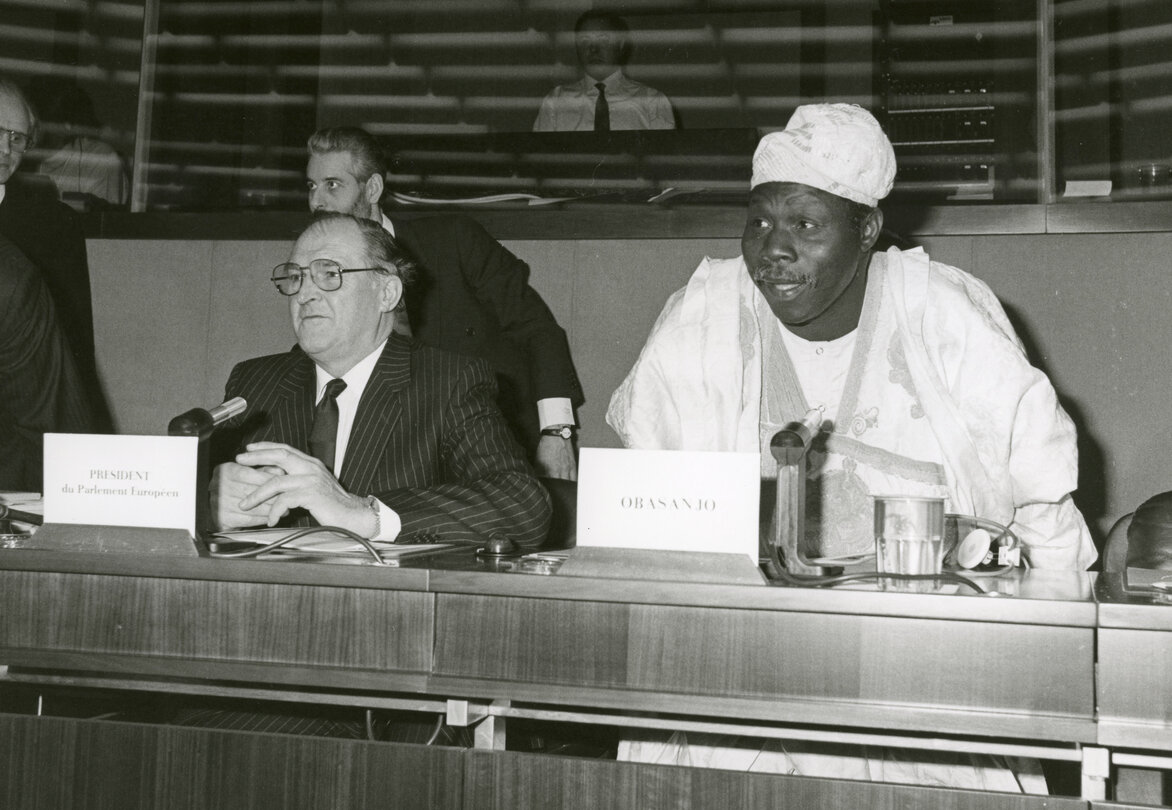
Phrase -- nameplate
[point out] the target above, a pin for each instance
(102, 480)
(669, 500)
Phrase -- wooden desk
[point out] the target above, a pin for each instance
(1007, 674)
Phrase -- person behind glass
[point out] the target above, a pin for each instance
(474, 298)
(42, 391)
(361, 427)
(88, 172)
(603, 99)
(50, 235)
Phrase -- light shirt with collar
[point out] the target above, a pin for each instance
(356, 379)
(3, 190)
(633, 105)
(550, 411)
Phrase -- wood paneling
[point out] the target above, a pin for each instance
(354, 628)
(963, 666)
(505, 781)
(902, 664)
(580, 643)
(56, 762)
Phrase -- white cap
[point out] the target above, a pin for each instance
(839, 148)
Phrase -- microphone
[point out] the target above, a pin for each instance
(201, 422)
(788, 448)
(227, 409)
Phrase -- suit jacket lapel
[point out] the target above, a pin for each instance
(291, 416)
(379, 411)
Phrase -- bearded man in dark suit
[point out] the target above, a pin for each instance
(473, 297)
(416, 447)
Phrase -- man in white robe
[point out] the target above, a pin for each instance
(923, 385)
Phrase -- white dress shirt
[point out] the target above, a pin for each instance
(633, 105)
(356, 379)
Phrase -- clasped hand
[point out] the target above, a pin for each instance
(269, 479)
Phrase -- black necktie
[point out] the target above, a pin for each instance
(601, 110)
(323, 439)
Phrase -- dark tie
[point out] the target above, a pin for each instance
(323, 439)
(601, 110)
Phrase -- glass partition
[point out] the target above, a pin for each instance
(1113, 98)
(79, 64)
(959, 93)
(453, 90)
(985, 100)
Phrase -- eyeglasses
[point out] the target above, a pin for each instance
(17, 141)
(326, 274)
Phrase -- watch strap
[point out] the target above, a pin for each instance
(562, 431)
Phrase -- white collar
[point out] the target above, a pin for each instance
(356, 378)
(610, 81)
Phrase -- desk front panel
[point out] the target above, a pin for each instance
(63, 762)
(1031, 675)
(1135, 688)
(79, 618)
(507, 780)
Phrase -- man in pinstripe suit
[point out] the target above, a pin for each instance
(473, 297)
(422, 450)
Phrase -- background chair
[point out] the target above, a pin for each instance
(1115, 549)
(1142, 539)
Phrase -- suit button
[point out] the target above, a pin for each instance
(470, 331)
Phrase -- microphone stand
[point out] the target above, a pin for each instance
(202, 423)
(788, 447)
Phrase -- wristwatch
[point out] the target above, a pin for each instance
(564, 431)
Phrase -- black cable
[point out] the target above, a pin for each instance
(297, 535)
(439, 726)
(435, 732)
(815, 581)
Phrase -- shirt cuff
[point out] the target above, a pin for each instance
(389, 523)
(555, 411)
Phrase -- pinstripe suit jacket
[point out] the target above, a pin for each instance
(428, 440)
